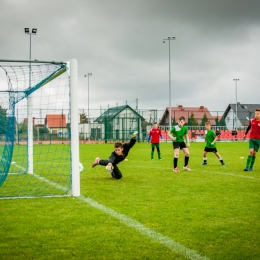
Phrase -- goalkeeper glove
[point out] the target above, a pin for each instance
(109, 167)
(134, 134)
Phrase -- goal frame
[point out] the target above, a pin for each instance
(72, 69)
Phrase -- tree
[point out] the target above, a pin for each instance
(204, 120)
(192, 120)
(3, 120)
(68, 127)
(22, 127)
(83, 118)
(222, 122)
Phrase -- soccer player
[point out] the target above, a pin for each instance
(254, 141)
(177, 134)
(155, 135)
(210, 140)
(118, 155)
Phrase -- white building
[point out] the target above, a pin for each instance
(237, 117)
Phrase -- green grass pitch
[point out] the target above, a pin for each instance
(212, 212)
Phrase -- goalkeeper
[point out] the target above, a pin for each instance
(118, 155)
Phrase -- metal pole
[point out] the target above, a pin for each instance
(30, 46)
(236, 102)
(87, 75)
(170, 94)
(30, 108)
(30, 117)
(88, 98)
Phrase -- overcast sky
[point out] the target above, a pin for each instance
(121, 43)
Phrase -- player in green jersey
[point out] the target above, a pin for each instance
(177, 134)
(210, 140)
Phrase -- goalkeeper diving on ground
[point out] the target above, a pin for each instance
(118, 155)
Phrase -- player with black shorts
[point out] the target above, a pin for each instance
(118, 155)
(210, 147)
(177, 134)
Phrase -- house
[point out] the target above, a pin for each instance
(244, 112)
(190, 113)
(117, 123)
(39, 122)
(56, 123)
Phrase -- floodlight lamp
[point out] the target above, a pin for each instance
(27, 30)
(89, 74)
(34, 31)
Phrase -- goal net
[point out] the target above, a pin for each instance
(36, 129)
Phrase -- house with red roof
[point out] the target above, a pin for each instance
(190, 113)
(56, 123)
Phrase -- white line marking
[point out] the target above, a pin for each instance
(192, 170)
(164, 240)
(230, 174)
(54, 184)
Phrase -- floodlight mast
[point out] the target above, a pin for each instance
(30, 108)
(88, 75)
(169, 39)
(236, 80)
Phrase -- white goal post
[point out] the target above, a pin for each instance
(73, 70)
(19, 163)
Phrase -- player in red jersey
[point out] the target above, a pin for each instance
(155, 135)
(254, 141)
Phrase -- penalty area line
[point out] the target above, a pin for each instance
(230, 174)
(43, 179)
(155, 236)
(192, 170)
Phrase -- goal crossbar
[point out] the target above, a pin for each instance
(35, 61)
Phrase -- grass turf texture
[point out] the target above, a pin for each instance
(51, 165)
(213, 210)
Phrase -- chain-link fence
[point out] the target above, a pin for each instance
(118, 124)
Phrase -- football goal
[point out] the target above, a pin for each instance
(39, 146)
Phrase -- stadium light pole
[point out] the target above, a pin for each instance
(88, 75)
(236, 80)
(30, 108)
(169, 39)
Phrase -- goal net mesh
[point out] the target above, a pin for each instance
(47, 86)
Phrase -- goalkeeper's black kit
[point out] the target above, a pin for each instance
(115, 159)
